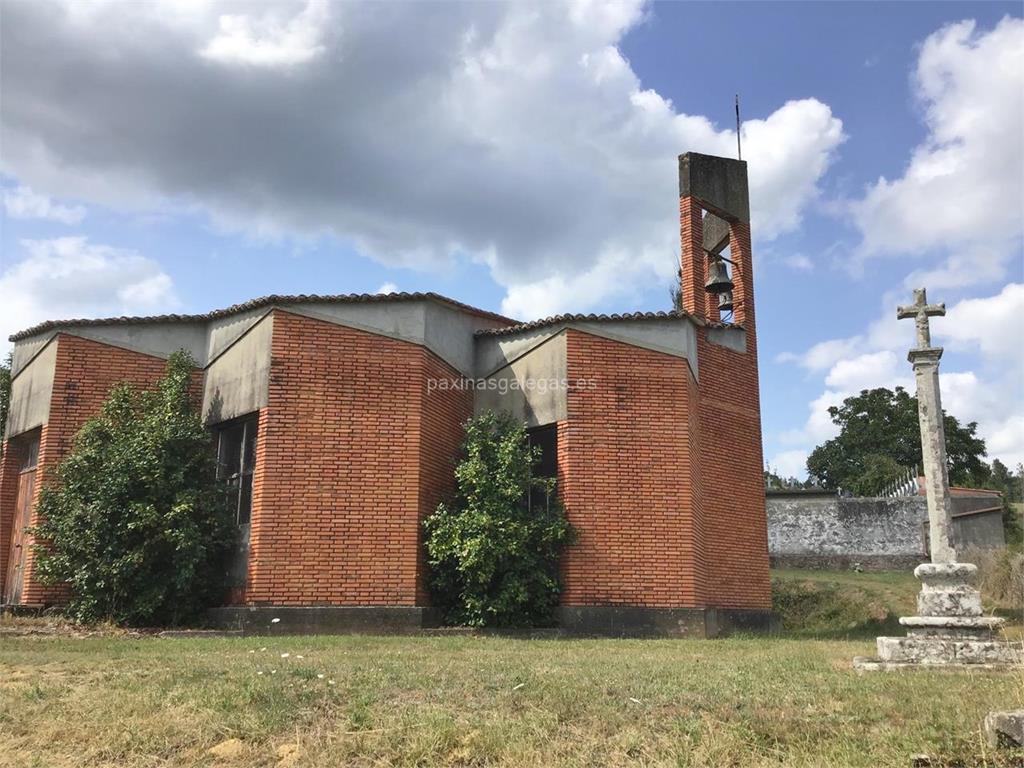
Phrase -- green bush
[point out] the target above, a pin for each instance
(493, 555)
(134, 520)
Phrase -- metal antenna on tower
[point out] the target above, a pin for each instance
(739, 148)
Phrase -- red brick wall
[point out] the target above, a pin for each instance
(661, 476)
(84, 374)
(743, 276)
(729, 480)
(692, 262)
(444, 412)
(731, 466)
(626, 477)
(352, 453)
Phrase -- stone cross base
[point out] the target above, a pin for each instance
(950, 630)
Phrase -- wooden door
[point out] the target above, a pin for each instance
(16, 561)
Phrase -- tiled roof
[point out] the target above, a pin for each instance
(559, 319)
(264, 301)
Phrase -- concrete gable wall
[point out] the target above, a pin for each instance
(236, 383)
(672, 336)
(531, 387)
(222, 332)
(402, 320)
(27, 349)
(31, 391)
(448, 333)
(156, 339)
(237, 349)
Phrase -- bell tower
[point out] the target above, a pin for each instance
(714, 214)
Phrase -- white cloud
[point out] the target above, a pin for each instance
(789, 463)
(958, 208)
(798, 262)
(822, 355)
(846, 378)
(974, 264)
(265, 39)
(513, 134)
(961, 192)
(992, 395)
(864, 371)
(69, 277)
(22, 203)
(387, 288)
(992, 325)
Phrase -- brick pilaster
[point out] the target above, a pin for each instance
(743, 276)
(627, 463)
(692, 261)
(711, 307)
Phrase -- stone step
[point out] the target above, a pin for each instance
(983, 623)
(939, 650)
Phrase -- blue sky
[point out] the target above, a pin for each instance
(164, 157)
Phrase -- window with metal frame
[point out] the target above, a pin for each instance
(236, 460)
(30, 458)
(546, 465)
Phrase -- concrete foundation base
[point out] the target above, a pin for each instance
(324, 620)
(572, 621)
(846, 562)
(951, 631)
(637, 621)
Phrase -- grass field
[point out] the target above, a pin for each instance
(469, 701)
(845, 605)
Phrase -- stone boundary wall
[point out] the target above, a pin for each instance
(823, 531)
(827, 532)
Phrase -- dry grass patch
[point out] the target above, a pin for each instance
(375, 701)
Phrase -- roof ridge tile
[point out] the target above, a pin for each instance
(257, 303)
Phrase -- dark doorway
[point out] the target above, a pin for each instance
(15, 577)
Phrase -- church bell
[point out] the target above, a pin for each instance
(718, 278)
(725, 301)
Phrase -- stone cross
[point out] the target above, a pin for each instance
(925, 359)
(921, 310)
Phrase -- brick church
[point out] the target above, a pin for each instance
(337, 423)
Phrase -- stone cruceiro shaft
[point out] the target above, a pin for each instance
(950, 629)
(925, 359)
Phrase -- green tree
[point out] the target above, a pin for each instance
(1004, 481)
(1009, 486)
(5, 397)
(883, 423)
(878, 472)
(134, 520)
(493, 554)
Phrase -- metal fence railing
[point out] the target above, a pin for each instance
(905, 485)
